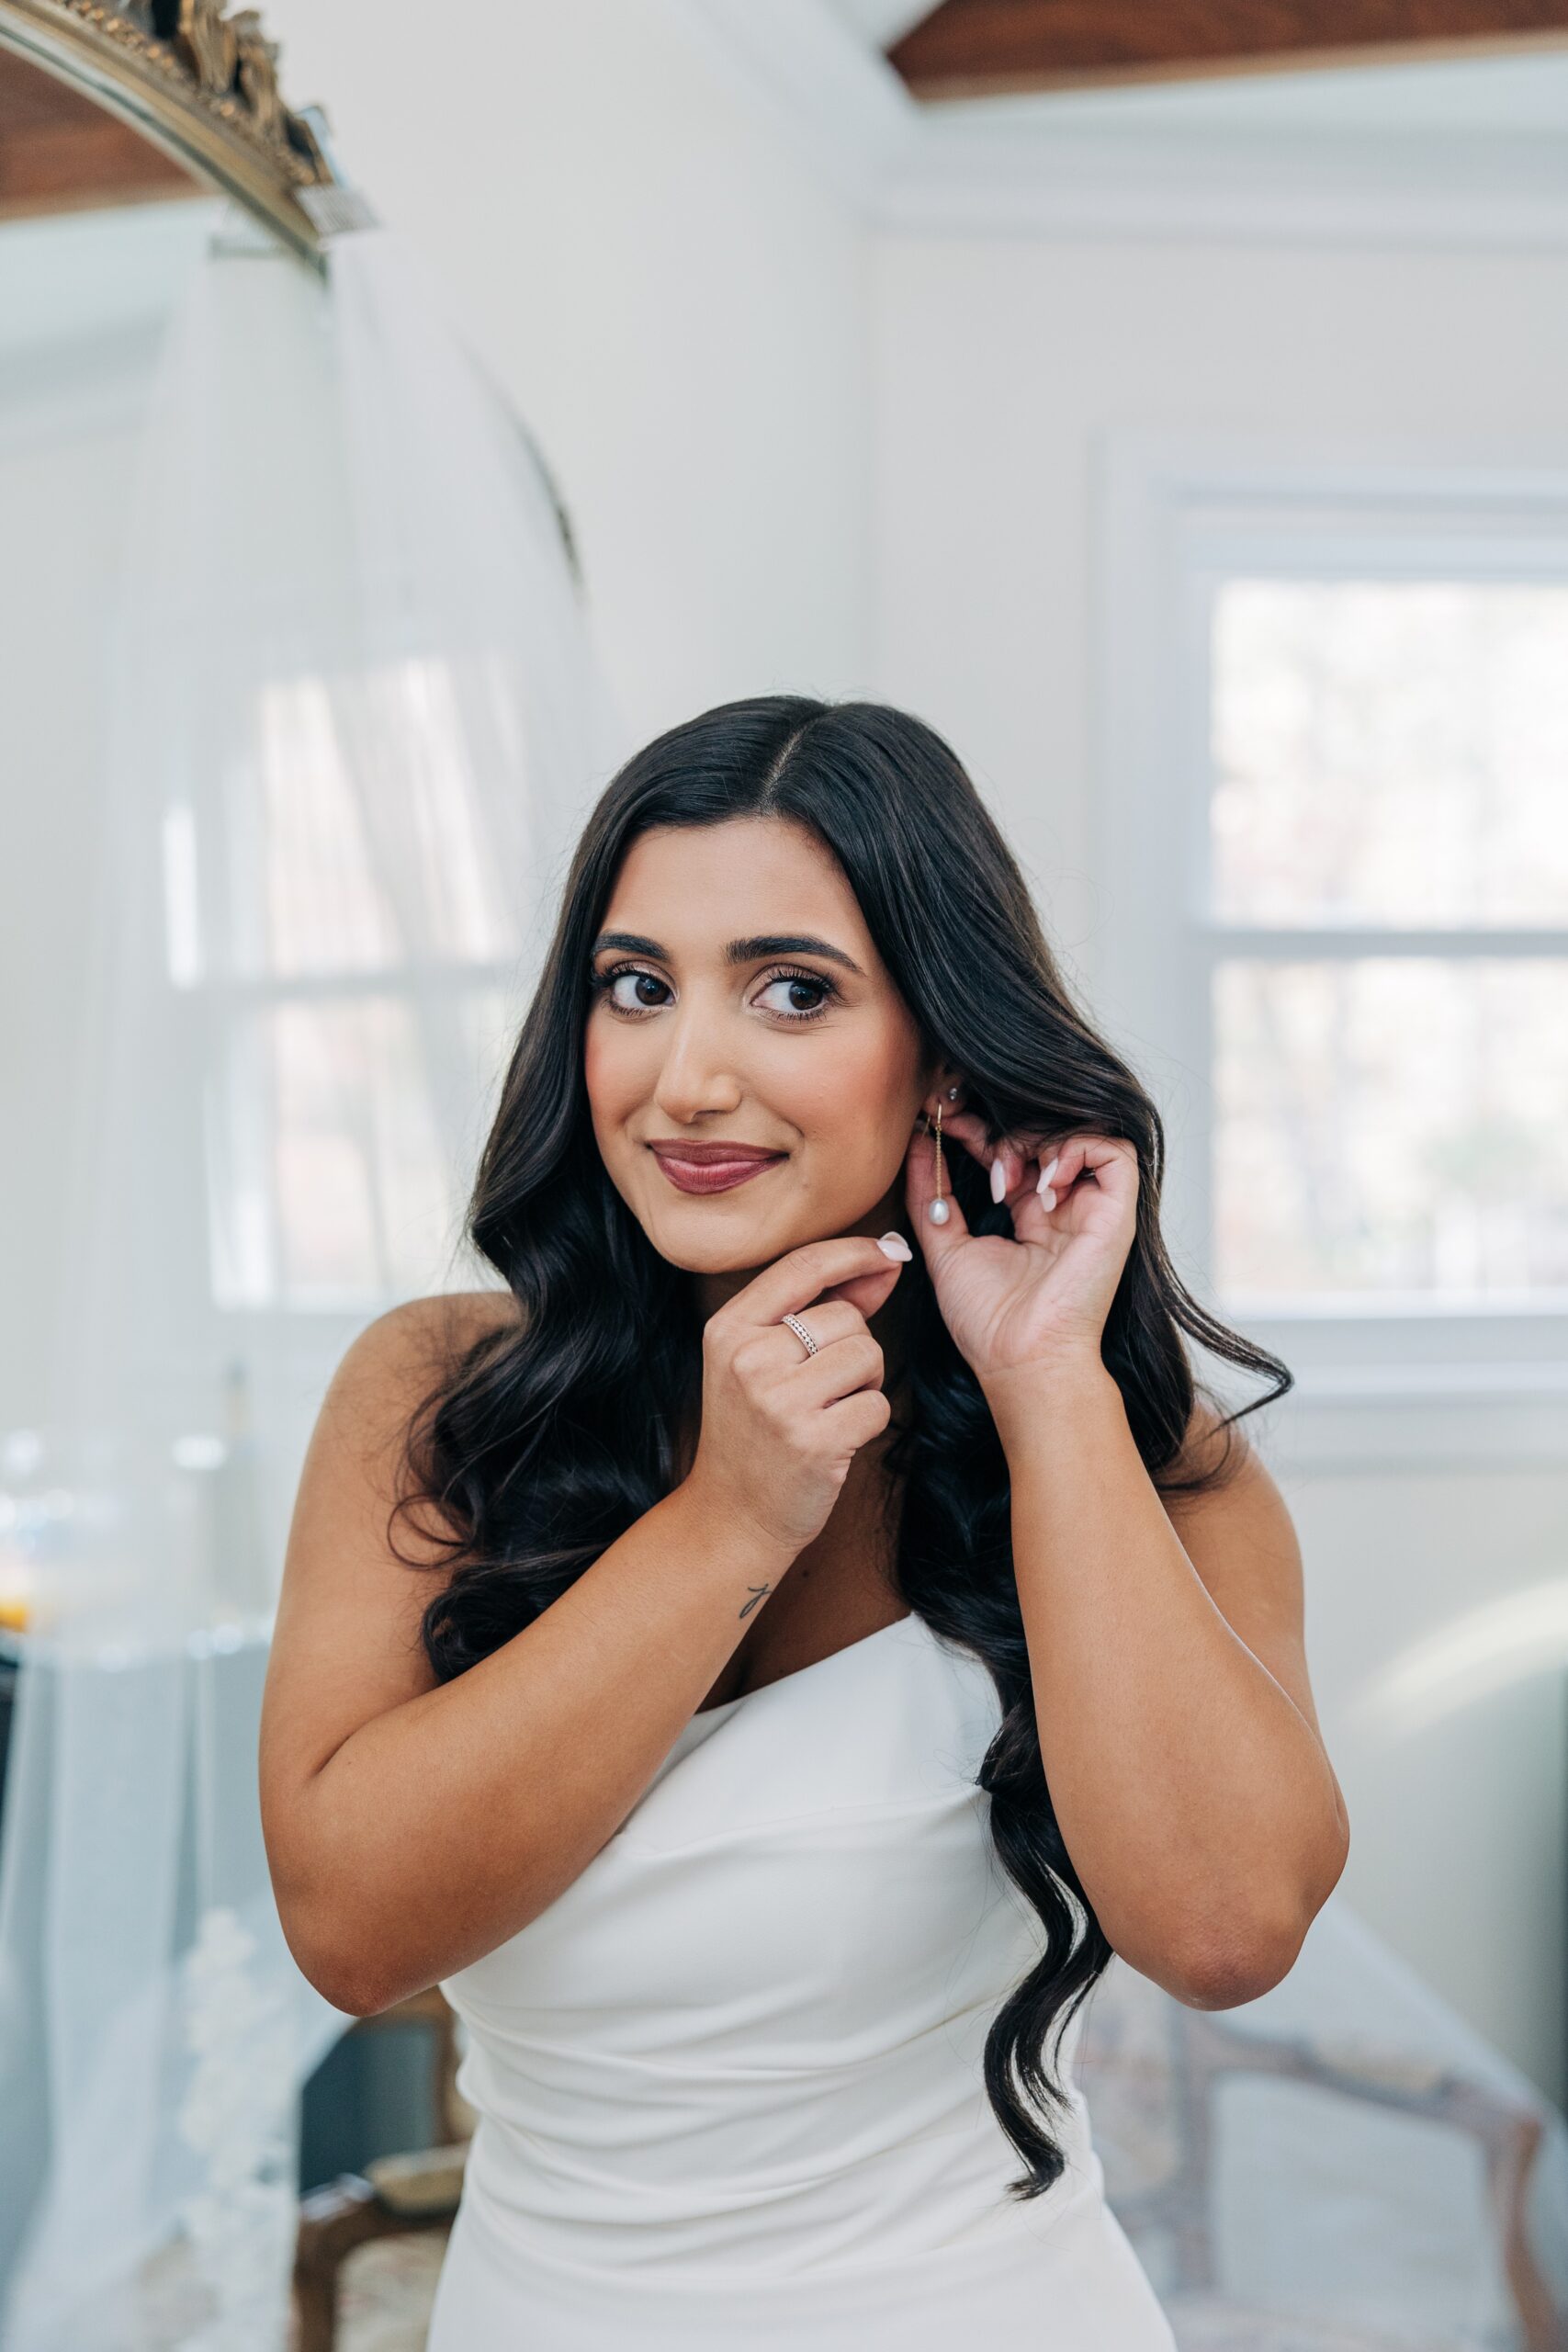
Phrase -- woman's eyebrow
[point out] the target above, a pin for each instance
(739, 951)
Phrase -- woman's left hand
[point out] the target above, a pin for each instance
(1041, 1299)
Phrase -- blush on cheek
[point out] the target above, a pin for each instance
(868, 1114)
(609, 1095)
(593, 1057)
(852, 1095)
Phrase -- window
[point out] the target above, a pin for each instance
(1388, 830)
(1334, 849)
(345, 920)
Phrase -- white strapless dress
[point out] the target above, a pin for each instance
(728, 2084)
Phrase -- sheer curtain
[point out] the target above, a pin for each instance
(1341, 2164)
(356, 723)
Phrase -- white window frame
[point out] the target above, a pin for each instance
(1375, 1382)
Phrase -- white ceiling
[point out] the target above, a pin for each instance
(1461, 153)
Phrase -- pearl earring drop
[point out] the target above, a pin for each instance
(938, 1210)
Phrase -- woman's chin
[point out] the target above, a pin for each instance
(691, 1237)
(699, 1243)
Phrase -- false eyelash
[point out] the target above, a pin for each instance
(813, 980)
(600, 983)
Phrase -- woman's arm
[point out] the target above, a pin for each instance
(413, 1826)
(1176, 1720)
(1176, 1725)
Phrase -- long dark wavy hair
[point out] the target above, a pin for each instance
(550, 1437)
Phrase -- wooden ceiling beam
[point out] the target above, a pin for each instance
(968, 49)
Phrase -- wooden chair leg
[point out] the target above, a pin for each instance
(333, 2220)
(406, 2192)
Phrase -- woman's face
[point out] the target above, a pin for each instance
(740, 1002)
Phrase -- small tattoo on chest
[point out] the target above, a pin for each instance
(758, 1592)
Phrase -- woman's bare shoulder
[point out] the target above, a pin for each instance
(446, 1320)
(392, 1371)
(404, 1351)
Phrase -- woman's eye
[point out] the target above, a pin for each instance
(798, 985)
(618, 984)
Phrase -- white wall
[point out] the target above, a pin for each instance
(1457, 1810)
(1002, 365)
(675, 303)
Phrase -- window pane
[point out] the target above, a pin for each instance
(359, 838)
(1392, 1125)
(329, 1184)
(1389, 752)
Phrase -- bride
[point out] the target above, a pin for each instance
(766, 1658)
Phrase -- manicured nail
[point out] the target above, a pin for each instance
(1045, 1176)
(1048, 1198)
(999, 1178)
(892, 1245)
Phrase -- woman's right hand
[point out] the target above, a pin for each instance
(780, 1428)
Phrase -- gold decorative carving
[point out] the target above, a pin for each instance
(256, 71)
(210, 43)
(202, 83)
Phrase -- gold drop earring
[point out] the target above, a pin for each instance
(937, 1209)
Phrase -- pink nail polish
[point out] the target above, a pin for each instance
(999, 1178)
(1048, 1198)
(1046, 1174)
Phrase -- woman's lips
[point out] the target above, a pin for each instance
(712, 1175)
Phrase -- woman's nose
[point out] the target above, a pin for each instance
(695, 1075)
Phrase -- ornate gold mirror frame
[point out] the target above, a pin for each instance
(202, 86)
